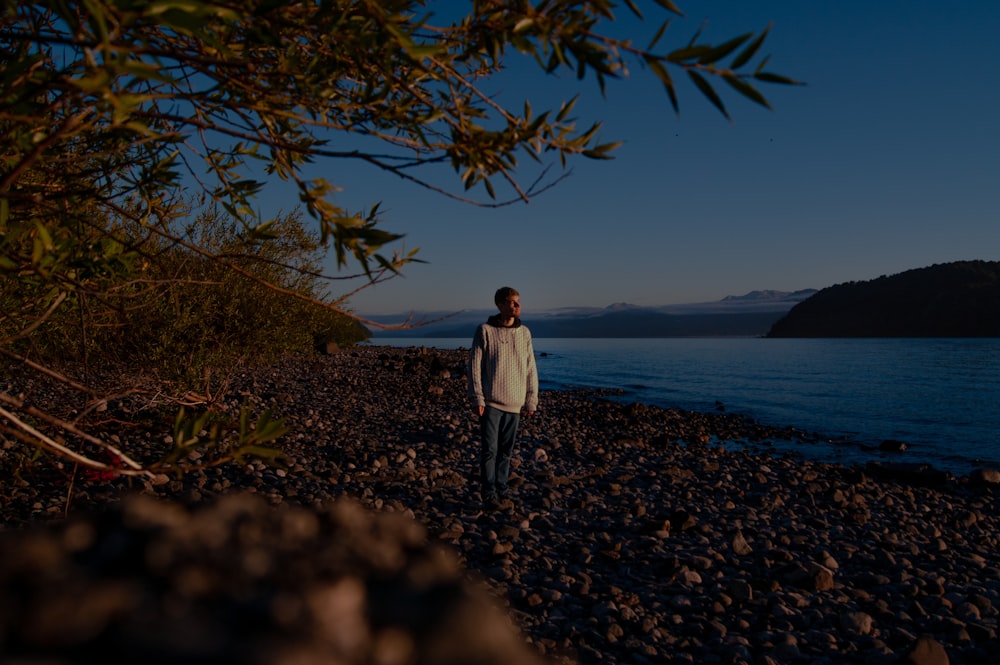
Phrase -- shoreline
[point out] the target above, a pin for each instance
(634, 538)
(852, 430)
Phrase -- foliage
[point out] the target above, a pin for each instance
(110, 109)
(186, 314)
(192, 314)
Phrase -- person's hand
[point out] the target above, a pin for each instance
(480, 410)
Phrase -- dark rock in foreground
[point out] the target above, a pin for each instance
(633, 538)
(241, 582)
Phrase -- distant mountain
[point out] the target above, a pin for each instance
(761, 301)
(750, 315)
(770, 296)
(960, 299)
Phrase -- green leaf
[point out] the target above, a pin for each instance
(708, 91)
(566, 108)
(94, 82)
(44, 237)
(267, 428)
(776, 78)
(157, 7)
(746, 90)
(419, 52)
(750, 51)
(719, 52)
(633, 8)
(524, 24)
(658, 36)
(602, 151)
(264, 231)
(145, 71)
(661, 72)
(98, 19)
(688, 53)
(670, 6)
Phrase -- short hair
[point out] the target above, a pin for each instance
(503, 293)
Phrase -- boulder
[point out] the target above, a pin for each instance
(925, 651)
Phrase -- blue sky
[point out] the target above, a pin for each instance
(889, 159)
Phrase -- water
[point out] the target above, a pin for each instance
(939, 396)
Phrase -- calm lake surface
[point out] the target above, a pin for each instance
(939, 396)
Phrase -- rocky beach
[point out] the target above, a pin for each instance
(635, 535)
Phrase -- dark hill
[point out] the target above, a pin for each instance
(960, 299)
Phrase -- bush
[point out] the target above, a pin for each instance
(186, 313)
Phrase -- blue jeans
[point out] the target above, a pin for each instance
(498, 431)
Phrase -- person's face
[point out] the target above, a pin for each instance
(510, 308)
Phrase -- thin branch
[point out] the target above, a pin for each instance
(49, 372)
(68, 427)
(61, 450)
(38, 322)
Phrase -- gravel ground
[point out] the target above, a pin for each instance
(635, 535)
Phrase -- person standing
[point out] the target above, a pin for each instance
(503, 379)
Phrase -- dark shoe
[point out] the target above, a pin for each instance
(490, 504)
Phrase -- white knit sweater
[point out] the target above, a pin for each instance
(502, 371)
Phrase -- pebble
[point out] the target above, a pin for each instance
(635, 535)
